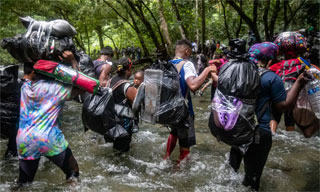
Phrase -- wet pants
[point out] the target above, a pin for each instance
(254, 159)
(65, 161)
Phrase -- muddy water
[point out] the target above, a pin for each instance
(293, 163)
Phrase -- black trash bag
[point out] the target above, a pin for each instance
(240, 137)
(85, 64)
(9, 81)
(15, 47)
(173, 108)
(32, 48)
(98, 113)
(57, 28)
(116, 132)
(239, 78)
(9, 100)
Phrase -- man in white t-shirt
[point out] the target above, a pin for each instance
(189, 80)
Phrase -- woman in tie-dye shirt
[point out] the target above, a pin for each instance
(39, 134)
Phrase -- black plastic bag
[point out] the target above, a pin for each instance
(98, 113)
(173, 108)
(9, 99)
(241, 136)
(239, 78)
(116, 132)
(57, 28)
(85, 64)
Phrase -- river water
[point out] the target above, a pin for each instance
(293, 163)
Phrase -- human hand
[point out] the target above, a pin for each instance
(68, 57)
(212, 69)
(303, 78)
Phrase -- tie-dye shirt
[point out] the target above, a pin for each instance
(40, 105)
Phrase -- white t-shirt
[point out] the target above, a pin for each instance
(189, 70)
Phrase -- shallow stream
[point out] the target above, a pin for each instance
(293, 163)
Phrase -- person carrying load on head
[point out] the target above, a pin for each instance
(103, 65)
(189, 81)
(124, 94)
(42, 100)
(271, 90)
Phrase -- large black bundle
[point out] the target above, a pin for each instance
(57, 28)
(232, 118)
(32, 48)
(99, 115)
(46, 40)
(239, 78)
(173, 108)
(9, 99)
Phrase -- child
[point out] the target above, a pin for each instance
(138, 78)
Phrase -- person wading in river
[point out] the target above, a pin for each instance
(189, 80)
(124, 94)
(272, 90)
(39, 134)
(103, 65)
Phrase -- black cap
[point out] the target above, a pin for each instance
(106, 51)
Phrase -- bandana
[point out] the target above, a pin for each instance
(263, 51)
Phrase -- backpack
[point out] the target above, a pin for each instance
(101, 115)
(232, 119)
(162, 100)
(288, 70)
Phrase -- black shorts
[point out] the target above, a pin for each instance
(185, 132)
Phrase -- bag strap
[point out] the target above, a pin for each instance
(118, 84)
(180, 65)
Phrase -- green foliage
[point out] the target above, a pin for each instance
(99, 24)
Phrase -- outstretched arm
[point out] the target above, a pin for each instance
(292, 95)
(194, 83)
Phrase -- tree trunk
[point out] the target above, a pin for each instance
(285, 16)
(250, 23)
(203, 19)
(274, 18)
(196, 24)
(145, 22)
(240, 23)
(183, 31)
(137, 30)
(88, 40)
(265, 20)
(292, 13)
(156, 21)
(225, 19)
(99, 33)
(164, 26)
(134, 26)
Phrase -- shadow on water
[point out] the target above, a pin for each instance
(293, 163)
